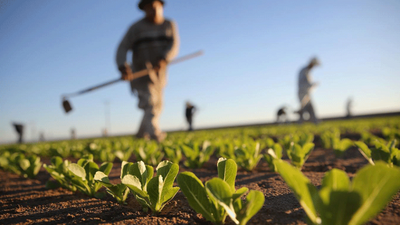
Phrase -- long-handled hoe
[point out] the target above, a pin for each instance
(67, 105)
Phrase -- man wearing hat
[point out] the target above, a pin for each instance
(305, 87)
(154, 42)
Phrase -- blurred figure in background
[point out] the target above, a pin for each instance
(154, 41)
(190, 110)
(19, 128)
(304, 93)
(281, 115)
(41, 137)
(349, 105)
(73, 134)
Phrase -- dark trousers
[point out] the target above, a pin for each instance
(189, 120)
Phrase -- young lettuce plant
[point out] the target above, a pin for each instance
(150, 153)
(82, 175)
(60, 172)
(341, 145)
(173, 153)
(299, 154)
(226, 149)
(196, 156)
(381, 152)
(124, 155)
(391, 133)
(19, 164)
(277, 152)
(370, 139)
(267, 143)
(248, 155)
(219, 198)
(340, 201)
(152, 192)
(300, 139)
(331, 139)
(118, 191)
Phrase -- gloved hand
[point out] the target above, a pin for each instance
(126, 72)
(161, 65)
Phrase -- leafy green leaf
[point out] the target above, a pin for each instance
(254, 202)
(196, 195)
(77, 170)
(220, 192)
(365, 151)
(301, 187)
(376, 185)
(134, 184)
(227, 171)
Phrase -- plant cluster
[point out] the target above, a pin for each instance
(340, 201)
(331, 140)
(218, 197)
(18, 163)
(381, 152)
(79, 175)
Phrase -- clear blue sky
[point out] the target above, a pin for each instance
(253, 53)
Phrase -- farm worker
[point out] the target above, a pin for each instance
(19, 128)
(281, 115)
(190, 110)
(154, 42)
(349, 104)
(304, 92)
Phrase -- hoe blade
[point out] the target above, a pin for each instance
(67, 106)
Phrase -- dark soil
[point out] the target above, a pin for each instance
(27, 201)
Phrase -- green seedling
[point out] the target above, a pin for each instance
(267, 143)
(381, 152)
(118, 191)
(370, 139)
(248, 155)
(300, 139)
(19, 164)
(124, 155)
(173, 153)
(340, 201)
(196, 156)
(150, 153)
(331, 140)
(277, 152)
(219, 198)
(391, 133)
(152, 192)
(60, 172)
(298, 154)
(82, 175)
(226, 149)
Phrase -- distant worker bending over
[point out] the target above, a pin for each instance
(19, 128)
(190, 110)
(281, 115)
(305, 87)
(154, 41)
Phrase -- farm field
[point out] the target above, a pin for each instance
(29, 201)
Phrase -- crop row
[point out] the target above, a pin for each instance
(246, 151)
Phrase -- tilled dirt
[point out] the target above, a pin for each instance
(27, 201)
